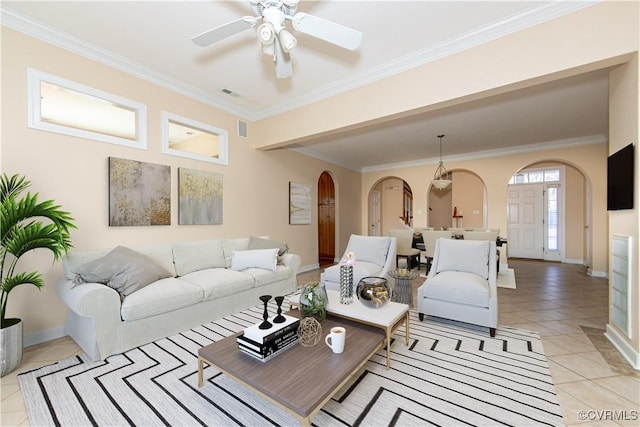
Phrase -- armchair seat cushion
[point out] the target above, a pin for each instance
(360, 269)
(458, 287)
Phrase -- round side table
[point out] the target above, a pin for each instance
(403, 292)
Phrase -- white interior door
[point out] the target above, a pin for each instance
(374, 214)
(525, 220)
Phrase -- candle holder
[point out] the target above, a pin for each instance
(279, 318)
(265, 324)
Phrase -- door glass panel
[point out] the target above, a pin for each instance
(552, 175)
(552, 218)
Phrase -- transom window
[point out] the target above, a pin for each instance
(66, 107)
(535, 176)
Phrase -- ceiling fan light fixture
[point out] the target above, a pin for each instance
(266, 34)
(287, 40)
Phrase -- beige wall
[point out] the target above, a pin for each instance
(468, 196)
(73, 172)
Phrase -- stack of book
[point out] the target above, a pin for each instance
(265, 344)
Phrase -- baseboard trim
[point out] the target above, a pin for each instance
(310, 267)
(43, 336)
(623, 347)
(573, 261)
(594, 273)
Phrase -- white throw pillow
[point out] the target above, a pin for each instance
(471, 256)
(257, 258)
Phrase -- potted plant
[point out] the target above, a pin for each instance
(25, 224)
(313, 301)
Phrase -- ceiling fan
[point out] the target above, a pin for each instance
(275, 40)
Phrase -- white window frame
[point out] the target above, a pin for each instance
(34, 121)
(223, 139)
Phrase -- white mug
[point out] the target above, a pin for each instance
(337, 336)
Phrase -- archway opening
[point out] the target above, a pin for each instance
(461, 205)
(390, 206)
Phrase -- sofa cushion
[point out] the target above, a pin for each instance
(219, 282)
(194, 256)
(161, 253)
(459, 287)
(369, 248)
(122, 269)
(471, 256)
(257, 258)
(159, 297)
(260, 243)
(264, 277)
(230, 245)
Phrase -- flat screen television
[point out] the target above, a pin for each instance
(620, 179)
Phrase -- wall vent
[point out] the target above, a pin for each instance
(242, 128)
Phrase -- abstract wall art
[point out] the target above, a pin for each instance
(139, 193)
(299, 203)
(200, 197)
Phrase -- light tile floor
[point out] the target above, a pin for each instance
(568, 308)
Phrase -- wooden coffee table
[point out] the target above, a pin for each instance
(279, 380)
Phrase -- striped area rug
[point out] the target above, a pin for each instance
(451, 374)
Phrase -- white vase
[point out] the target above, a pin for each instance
(10, 346)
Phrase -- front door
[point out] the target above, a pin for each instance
(525, 220)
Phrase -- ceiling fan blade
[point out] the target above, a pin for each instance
(224, 31)
(282, 60)
(328, 31)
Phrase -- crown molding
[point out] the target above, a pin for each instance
(511, 24)
(519, 149)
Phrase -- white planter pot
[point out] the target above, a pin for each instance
(10, 347)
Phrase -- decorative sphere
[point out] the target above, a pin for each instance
(374, 292)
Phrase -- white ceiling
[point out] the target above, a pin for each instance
(152, 39)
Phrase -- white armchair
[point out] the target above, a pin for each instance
(375, 256)
(462, 283)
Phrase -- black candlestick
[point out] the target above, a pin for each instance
(265, 324)
(279, 318)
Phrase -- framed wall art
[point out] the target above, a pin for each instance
(200, 197)
(299, 203)
(139, 193)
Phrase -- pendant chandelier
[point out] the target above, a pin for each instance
(440, 180)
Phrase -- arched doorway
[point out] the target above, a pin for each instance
(390, 206)
(461, 205)
(548, 213)
(326, 219)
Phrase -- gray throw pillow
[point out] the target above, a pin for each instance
(260, 243)
(122, 269)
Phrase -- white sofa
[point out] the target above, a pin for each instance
(374, 255)
(204, 280)
(462, 283)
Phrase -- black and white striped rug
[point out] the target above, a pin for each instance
(451, 374)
